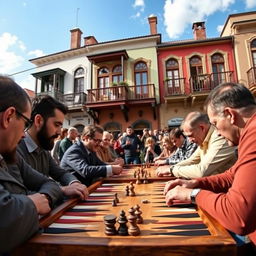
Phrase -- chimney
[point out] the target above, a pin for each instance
(152, 20)
(88, 40)
(75, 38)
(199, 30)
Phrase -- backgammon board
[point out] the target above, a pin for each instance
(77, 228)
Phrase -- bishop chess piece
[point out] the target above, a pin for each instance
(138, 213)
(122, 220)
(110, 221)
(131, 187)
(133, 229)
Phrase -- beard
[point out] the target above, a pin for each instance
(46, 142)
(10, 157)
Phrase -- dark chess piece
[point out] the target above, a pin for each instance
(145, 180)
(135, 174)
(127, 190)
(138, 213)
(131, 187)
(110, 221)
(114, 202)
(116, 198)
(133, 229)
(122, 220)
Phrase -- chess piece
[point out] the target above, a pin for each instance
(116, 198)
(127, 190)
(145, 180)
(138, 213)
(122, 220)
(133, 229)
(135, 174)
(131, 187)
(114, 202)
(138, 181)
(110, 221)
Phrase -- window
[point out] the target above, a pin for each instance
(253, 49)
(172, 75)
(196, 71)
(79, 80)
(103, 78)
(218, 69)
(141, 79)
(117, 74)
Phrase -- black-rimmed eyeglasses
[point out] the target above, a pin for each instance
(28, 122)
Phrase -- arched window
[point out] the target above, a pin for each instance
(253, 49)
(141, 79)
(196, 71)
(103, 77)
(80, 128)
(218, 69)
(139, 125)
(79, 80)
(113, 127)
(172, 75)
(117, 74)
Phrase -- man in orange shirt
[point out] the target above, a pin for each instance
(229, 197)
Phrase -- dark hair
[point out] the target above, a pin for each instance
(176, 132)
(12, 95)
(229, 95)
(46, 106)
(90, 130)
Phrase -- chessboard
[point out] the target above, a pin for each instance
(105, 224)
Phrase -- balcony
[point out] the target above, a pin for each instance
(204, 83)
(251, 75)
(117, 95)
(71, 100)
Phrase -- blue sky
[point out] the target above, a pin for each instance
(33, 28)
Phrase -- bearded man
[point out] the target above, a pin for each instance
(47, 119)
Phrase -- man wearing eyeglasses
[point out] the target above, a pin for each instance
(24, 193)
(47, 119)
(82, 161)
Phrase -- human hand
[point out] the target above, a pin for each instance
(76, 189)
(163, 171)
(179, 182)
(178, 193)
(119, 161)
(160, 162)
(116, 169)
(41, 203)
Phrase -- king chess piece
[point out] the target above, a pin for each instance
(133, 229)
(122, 220)
(138, 213)
(110, 221)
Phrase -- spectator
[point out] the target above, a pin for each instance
(167, 149)
(151, 150)
(67, 141)
(131, 145)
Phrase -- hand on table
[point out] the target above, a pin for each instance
(41, 203)
(163, 171)
(179, 182)
(76, 189)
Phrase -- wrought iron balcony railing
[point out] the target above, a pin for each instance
(174, 86)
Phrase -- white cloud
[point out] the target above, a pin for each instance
(138, 4)
(250, 3)
(36, 53)
(179, 14)
(9, 59)
(27, 82)
(219, 28)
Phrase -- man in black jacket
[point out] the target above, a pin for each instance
(81, 159)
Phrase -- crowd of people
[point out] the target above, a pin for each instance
(212, 154)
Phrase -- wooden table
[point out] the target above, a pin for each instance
(176, 230)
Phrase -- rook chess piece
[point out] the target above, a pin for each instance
(133, 229)
(122, 220)
(110, 221)
(138, 213)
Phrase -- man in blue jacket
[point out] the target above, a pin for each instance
(81, 159)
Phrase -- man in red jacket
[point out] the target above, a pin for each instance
(229, 197)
